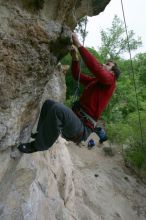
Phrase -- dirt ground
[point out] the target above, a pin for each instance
(105, 188)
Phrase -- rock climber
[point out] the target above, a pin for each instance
(76, 124)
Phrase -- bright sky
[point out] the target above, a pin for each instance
(135, 14)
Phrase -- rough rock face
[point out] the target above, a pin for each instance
(38, 186)
(34, 35)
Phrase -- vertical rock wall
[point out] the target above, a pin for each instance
(34, 35)
(28, 57)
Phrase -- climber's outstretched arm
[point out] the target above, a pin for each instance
(75, 68)
(92, 63)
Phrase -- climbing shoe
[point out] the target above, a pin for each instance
(27, 147)
(33, 135)
(102, 140)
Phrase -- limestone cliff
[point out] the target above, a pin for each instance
(34, 35)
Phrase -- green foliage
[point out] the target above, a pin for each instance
(135, 153)
(119, 132)
(138, 127)
(66, 60)
(121, 115)
(69, 101)
(70, 82)
(81, 28)
(126, 99)
(128, 131)
(136, 156)
(140, 67)
(114, 40)
(129, 134)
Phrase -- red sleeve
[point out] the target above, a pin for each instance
(75, 69)
(95, 67)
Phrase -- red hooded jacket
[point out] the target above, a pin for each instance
(97, 89)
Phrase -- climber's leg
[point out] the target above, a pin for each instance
(44, 111)
(58, 119)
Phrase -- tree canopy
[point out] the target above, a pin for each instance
(114, 41)
(81, 28)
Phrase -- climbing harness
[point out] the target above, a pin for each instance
(87, 119)
(133, 75)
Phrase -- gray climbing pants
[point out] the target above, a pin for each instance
(55, 119)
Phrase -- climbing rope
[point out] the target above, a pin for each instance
(133, 75)
(77, 90)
